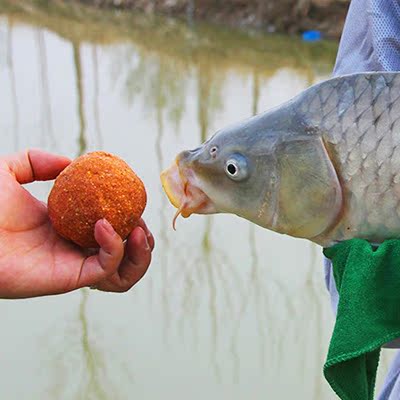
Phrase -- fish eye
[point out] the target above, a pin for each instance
(232, 169)
(236, 167)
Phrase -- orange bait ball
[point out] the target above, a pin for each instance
(94, 186)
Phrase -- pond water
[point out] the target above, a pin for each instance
(227, 310)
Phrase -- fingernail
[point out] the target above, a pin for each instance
(108, 227)
(146, 243)
(146, 230)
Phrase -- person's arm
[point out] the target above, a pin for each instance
(371, 38)
(370, 42)
(35, 261)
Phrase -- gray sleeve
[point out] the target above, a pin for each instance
(371, 38)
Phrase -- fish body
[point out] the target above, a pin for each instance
(324, 166)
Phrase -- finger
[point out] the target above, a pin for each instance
(138, 257)
(149, 235)
(35, 165)
(134, 266)
(106, 262)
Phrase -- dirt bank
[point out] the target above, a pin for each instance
(290, 16)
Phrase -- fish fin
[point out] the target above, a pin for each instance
(310, 194)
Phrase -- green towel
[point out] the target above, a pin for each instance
(368, 315)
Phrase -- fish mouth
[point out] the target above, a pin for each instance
(184, 194)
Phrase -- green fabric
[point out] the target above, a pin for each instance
(368, 315)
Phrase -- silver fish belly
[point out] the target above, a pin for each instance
(358, 118)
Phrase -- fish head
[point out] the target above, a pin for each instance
(271, 169)
(230, 173)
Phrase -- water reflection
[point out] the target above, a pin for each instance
(96, 79)
(10, 66)
(228, 310)
(46, 113)
(82, 143)
(93, 379)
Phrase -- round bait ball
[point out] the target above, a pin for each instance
(94, 186)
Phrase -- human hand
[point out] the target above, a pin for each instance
(36, 261)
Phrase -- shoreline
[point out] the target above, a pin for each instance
(283, 16)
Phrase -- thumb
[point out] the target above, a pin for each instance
(106, 262)
(35, 165)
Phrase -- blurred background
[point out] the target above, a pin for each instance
(227, 310)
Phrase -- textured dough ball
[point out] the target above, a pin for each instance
(94, 186)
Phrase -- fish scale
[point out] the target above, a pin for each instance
(365, 141)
